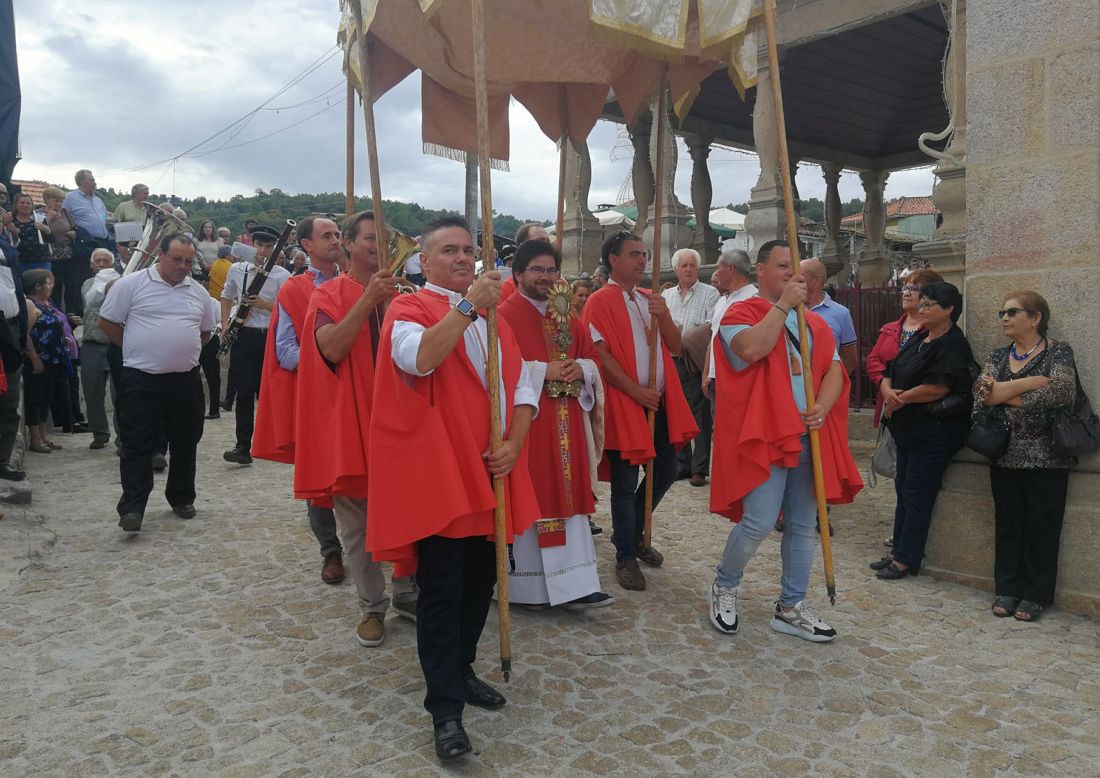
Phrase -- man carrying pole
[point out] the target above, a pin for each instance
(431, 492)
(620, 317)
(762, 455)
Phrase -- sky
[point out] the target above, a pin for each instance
(122, 87)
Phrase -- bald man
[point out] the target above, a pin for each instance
(836, 315)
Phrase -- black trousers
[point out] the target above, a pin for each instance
(921, 465)
(628, 496)
(169, 404)
(694, 458)
(456, 578)
(246, 366)
(1029, 506)
(69, 275)
(38, 389)
(212, 371)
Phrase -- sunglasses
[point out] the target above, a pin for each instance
(1010, 312)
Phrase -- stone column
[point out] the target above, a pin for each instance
(834, 256)
(674, 216)
(765, 220)
(582, 235)
(947, 249)
(704, 239)
(641, 172)
(874, 265)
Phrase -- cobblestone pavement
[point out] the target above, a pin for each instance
(210, 647)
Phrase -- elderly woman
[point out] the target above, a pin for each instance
(927, 397)
(1027, 379)
(31, 235)
(47, 357)
(61, 224)
(895, 334)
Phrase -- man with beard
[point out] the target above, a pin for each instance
(555, 559)
(274, 436)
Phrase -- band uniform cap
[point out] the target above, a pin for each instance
(264, 233)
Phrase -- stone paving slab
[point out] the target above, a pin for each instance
(210, 647)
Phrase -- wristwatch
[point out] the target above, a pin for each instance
(466, 308)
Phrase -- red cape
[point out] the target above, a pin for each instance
(507, 288)
(758, 424)
(274, 435)
(545, 454)
(626, 426)
(427, 435)
(334, 404)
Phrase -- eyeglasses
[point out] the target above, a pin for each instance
(928, 304)
(551, 272)
(908, 289)
(1010, 312)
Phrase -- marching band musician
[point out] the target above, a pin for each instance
(274, 438)
(431, 494)
(555, 560)
(246, 357)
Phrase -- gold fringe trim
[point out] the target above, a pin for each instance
(626, 38)
(683, 105)
(458, 155)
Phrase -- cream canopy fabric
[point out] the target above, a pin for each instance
(544, 53)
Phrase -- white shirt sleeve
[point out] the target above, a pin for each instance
(588, 384)
(525, 391)
(537, 373)
(210, 315)
(595, 333)
(231, 290)
(405, 345)
(116, 308)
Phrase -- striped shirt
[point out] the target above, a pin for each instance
(692, 309)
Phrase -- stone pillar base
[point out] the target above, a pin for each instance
(874, 269)
(947, 256)
(766, 220)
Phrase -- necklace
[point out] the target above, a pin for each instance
(1021, 357)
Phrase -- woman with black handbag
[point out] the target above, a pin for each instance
(1027, 380)
(926, 394)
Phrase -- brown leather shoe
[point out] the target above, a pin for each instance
(698, 480)
(332, 569)
(650, 556)
(629, 575)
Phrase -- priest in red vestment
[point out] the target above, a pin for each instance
(619, 317)
(555, 560)
(761, 460)
(274, 436)
(335, 393)
(430, 492)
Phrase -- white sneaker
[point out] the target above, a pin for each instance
(723, 608)
(802, 622)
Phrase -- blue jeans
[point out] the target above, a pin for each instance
(790, 489)
(628, 496)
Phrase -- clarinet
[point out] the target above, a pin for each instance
(240, 313)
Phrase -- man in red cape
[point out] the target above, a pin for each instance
(430, 493)
(762, 462)
(619, 317)
(555, 560)
(335, 393)
(275, 413)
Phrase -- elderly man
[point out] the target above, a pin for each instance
(161, 318)
(133, 210)
(90, 215)
(733, 278)
(691, 304)
(836, 315)
(94, 368)
(431, 399)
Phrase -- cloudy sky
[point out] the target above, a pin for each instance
(122, 87)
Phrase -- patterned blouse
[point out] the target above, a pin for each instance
(1029, 445)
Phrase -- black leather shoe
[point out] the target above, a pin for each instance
(130, 522)
(184, 511)
(214, 415)
(881, 564)
(81, 427)
(893, 573)
(160, 463)
(226, 405)
(482, 695)
(9, 473)
(451, 740)
(237, 455)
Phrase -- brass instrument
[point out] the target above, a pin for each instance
(399, 248)
(158, 223)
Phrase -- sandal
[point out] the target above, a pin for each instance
(1027, 610)
(53, 445)
(1004, 605)
(40, 448)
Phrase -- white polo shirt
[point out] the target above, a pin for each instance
(162, 323)
(240, 277)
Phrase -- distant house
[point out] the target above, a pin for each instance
(33, 188)
(908, 220)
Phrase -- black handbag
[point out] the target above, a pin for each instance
(1075, 429)
(989, 433)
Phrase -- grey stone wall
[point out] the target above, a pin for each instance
(1033, 221)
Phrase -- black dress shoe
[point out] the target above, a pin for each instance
(881, 564)
(9, 473)
(482, 695)
(130, 522)
(451, 740)
(893, 573)
(226, 405)
(184, 511)
(237, 455)
(160, 462)
(214, 415)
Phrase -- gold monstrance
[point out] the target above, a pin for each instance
(559, 312)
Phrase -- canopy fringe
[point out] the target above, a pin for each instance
(458, 155)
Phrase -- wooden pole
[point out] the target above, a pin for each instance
(655, 287)
(492, 367)
(372, 144)
(792, 239)
(349, 152)
(559, 229)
